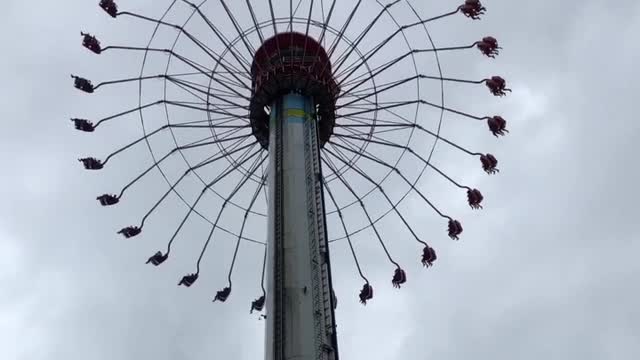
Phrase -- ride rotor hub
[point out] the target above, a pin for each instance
(292, 63)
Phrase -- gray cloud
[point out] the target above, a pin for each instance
(546, 270)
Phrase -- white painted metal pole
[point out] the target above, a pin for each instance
(300, 319)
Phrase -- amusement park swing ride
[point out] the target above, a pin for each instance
(294, 105)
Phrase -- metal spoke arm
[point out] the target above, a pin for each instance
(155, 206)
(344, 227)
(364, 209)
(194, 65)
(384, 194)
(244, 220)
(396, 171)
(198, 43)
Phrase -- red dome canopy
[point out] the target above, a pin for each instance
(285, 44)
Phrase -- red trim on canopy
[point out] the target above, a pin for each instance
(282, 42)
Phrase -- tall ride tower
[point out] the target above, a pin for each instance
(291, 114)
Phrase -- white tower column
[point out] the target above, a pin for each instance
(300, 307)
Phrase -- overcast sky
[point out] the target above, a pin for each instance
(547, 270)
